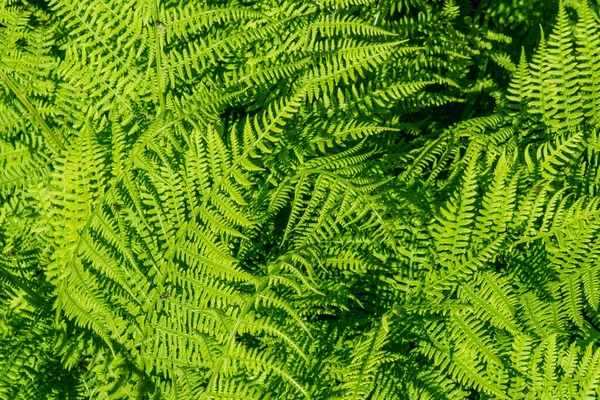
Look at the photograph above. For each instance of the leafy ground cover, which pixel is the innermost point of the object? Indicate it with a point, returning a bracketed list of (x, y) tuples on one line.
[(323, 199)]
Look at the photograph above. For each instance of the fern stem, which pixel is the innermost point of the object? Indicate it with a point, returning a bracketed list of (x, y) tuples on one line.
[(158, 55), (378, 8), (230, 339), (7, 277), (45, 128)]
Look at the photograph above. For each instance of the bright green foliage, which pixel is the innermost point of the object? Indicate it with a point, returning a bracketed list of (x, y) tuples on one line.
[(333, 199)]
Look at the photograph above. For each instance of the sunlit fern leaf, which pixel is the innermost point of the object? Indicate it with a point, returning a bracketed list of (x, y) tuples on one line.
[(368, 355), (462, 366), (453, 231), (557, 372), (556, 156), (588, 42)]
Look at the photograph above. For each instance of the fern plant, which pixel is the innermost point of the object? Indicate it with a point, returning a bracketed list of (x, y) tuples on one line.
[(286, 200)]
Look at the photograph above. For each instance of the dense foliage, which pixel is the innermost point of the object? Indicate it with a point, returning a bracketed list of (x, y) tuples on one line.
[(289, 199)]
